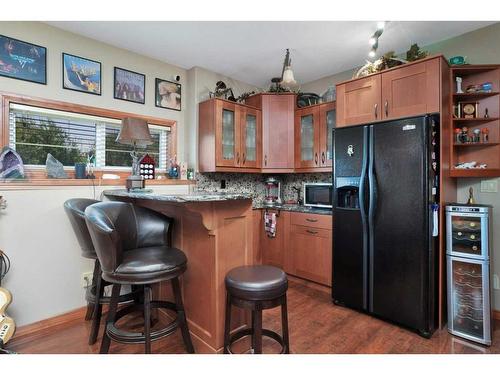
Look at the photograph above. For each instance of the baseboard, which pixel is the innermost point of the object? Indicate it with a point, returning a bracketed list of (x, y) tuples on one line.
[(496, 314), (46, 324)]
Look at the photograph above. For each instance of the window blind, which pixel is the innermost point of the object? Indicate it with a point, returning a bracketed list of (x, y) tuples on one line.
[(68, 136)]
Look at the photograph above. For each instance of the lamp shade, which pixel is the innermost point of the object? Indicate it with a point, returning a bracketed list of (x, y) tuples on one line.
[(134, 131), (288, 79)]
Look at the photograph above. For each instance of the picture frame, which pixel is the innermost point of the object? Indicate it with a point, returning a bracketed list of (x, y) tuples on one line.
[(22, 60), (168, 94), (129, 86), (81, 74)]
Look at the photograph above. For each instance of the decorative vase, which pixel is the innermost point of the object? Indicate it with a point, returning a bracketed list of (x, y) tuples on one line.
[(80, 170)]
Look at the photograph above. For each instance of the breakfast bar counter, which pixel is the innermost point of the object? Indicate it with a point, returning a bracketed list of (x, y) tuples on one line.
[(216, 237)]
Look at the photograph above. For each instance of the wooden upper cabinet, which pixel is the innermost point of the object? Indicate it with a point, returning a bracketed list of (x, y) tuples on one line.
[(407, 90), (359, 101), (227, 134), (327, 119), (230, 137), (411, 90), (278, 131), (307, 138)]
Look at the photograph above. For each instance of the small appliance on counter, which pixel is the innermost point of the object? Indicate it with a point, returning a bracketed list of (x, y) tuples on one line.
[(467, 253), (273, 192), (318, 195)]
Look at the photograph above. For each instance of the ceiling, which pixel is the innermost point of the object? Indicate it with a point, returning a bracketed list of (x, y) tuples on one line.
[(253, 52)]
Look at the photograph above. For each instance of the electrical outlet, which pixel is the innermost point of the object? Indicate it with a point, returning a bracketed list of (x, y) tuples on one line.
[(489, 186), (496, 282), (87, 279), (222, 184)]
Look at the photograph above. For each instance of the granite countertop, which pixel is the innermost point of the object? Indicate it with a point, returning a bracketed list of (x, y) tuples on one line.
[(295, 208), (199, 196)]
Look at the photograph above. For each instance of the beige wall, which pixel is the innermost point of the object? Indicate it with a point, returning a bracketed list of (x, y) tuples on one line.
[(45, 277), (46, 264), (58, 41)]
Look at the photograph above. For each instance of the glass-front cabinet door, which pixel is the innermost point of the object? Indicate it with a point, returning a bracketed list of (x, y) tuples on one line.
[(468, 299), (327, 123), (307, 138), (251, 143), (467, 235), (227, 134)]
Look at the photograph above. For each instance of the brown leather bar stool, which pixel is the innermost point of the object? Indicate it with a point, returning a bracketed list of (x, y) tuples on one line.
[(256, 288), (75, 209), (133, 247)]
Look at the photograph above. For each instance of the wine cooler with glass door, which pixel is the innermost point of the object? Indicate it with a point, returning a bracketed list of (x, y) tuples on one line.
[(468, 263)]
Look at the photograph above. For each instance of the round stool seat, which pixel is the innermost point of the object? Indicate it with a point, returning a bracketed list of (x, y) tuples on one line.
[(256, 283), (148, 265)]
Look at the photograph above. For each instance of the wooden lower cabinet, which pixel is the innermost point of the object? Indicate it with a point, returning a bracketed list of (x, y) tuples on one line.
[(302, 246), (311, 253), (273, 248)]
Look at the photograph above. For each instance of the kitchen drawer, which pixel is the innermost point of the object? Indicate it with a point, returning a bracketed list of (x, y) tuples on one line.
[(311, 220), (310, 252), (311, 231)]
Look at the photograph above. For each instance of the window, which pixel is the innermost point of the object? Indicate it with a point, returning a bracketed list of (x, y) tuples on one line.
[(69, 137)]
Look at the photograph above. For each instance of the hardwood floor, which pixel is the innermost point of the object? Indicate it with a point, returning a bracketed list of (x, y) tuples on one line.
[(315, 324)]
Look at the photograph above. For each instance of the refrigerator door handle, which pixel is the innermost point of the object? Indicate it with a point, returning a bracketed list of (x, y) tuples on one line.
[(371, 215), (362, 209)]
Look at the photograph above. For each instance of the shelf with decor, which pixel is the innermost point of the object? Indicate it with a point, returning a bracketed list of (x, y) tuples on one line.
[(475, 114)]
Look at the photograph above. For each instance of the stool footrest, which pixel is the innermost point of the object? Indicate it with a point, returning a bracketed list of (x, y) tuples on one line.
[(91, 290), (125, 337), (249, 331)]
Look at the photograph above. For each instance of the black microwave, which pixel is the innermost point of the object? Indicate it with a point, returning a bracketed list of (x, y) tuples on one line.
[(318, 195)]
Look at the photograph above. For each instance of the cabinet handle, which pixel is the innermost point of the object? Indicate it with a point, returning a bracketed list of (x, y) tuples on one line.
[(323, 157), (311, 220), (316, 158), (311, 231), (244, 158), (238, 158), (375, 107), (265, 160), (386, 105)]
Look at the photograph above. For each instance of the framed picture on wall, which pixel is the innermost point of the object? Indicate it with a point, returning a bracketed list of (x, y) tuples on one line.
[(81, 74), (167, 94), (129, 86), (23, 60)]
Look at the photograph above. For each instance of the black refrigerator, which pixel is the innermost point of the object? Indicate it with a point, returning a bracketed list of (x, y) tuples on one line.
[(385, 187)]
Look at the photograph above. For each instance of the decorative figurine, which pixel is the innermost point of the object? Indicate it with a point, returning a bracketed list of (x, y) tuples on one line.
[(458, 135), (486, 115), (485, 132), (471, 199), (465, 135), (173, 172), (477, 136), (459, 85)]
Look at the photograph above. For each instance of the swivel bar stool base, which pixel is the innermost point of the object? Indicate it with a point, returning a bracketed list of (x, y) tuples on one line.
[(256, 288)]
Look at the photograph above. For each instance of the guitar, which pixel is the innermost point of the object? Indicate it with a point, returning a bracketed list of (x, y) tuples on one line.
[(7, 325)]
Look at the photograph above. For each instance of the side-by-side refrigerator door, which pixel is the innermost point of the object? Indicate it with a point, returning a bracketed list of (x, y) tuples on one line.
[(400, 250), (350, 228)]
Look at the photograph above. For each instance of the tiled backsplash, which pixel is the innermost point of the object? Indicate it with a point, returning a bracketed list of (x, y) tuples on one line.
[(253, 183)]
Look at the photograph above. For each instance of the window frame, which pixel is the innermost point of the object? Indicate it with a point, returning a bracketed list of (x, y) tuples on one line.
[(7, 99)]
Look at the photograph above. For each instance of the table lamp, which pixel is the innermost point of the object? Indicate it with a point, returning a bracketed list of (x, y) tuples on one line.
[(135, 132)]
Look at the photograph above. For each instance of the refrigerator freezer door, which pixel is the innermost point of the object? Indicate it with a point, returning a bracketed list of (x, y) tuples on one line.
[(399, 215), (350, 241), (469, 313)]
